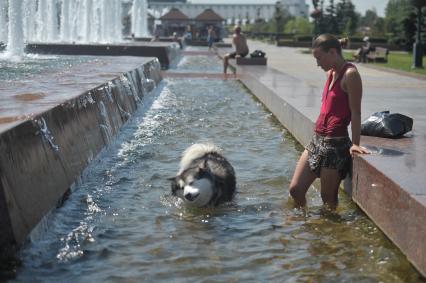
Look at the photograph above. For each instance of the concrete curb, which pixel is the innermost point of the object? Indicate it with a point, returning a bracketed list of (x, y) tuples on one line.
[(166, 52)]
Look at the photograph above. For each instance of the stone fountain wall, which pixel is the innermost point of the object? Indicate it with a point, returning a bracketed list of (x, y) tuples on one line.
[(41, 158), (166, 52)]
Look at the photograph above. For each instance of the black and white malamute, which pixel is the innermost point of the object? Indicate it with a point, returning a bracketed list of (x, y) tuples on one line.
[(205, 177)]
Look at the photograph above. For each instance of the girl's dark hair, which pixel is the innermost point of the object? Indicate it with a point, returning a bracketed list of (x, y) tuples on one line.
[(327, 41)]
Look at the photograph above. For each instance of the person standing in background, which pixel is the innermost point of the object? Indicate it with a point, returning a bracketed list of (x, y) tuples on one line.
[(211, 36)]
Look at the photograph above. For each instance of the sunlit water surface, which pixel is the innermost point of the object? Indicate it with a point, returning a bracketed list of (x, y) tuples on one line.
[(198, 63), (31, 64), (121, 224)]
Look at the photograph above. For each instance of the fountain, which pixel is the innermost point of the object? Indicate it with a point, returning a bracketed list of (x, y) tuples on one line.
[(83, 21), (79, 21), (15, 45), (139, 24), (70, 110), (3, 22), (80, 27), (85, 27)]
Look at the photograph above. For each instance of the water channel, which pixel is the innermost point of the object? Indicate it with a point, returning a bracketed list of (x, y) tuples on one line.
[(121, 224)]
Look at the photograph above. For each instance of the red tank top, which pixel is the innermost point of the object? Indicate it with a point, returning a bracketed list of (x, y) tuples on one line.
[(335, 113)]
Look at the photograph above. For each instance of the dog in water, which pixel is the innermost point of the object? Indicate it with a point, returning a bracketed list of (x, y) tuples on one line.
[(205, 177)]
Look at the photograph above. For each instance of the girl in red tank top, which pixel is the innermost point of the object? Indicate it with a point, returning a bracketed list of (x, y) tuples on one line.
[(328, 155), (335, 113)]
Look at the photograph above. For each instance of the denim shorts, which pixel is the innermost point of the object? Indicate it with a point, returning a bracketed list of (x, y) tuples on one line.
[(332, 153)]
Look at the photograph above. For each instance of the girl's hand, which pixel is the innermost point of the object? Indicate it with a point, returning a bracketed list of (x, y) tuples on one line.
[(358, 149)]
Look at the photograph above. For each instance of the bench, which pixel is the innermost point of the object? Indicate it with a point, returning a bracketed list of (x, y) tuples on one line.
[(260, 61), (380, 54), (377, 54)]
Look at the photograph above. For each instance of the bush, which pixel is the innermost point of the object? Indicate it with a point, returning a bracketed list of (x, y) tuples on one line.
[(303, 38), (372, 39)]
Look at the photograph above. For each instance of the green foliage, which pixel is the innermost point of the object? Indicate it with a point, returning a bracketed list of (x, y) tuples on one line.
[(395, 13), (321, 24), (401, 22), (347, 18), (278, 22), (330, 17), (403, 61), (378, 28), (298, 25), (369, 19), (305, 38), (337, 17), (280, 18), (397, 61)]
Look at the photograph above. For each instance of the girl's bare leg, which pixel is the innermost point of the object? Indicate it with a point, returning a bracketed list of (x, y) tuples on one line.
[(330, 182), (302, 179)]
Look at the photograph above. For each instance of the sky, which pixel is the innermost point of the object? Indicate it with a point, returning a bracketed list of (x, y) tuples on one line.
[(360, 5)]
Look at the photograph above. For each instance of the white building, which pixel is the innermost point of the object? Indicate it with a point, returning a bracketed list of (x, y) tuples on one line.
[(233, 11)]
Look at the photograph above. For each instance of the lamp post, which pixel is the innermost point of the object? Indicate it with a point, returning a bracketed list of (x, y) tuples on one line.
[(278, 17), (417, 46), (316, 14)]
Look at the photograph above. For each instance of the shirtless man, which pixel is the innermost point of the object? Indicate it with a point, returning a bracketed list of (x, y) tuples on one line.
[(241, 48)]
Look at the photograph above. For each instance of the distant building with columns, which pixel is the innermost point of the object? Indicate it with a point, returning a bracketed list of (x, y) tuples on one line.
[(230, 11), (166, 1)]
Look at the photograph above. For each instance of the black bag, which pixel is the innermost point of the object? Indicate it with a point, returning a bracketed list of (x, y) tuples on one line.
[(386, 125), (257, 54)]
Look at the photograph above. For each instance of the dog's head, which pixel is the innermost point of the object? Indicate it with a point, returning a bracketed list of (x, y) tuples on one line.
[(195, 185)]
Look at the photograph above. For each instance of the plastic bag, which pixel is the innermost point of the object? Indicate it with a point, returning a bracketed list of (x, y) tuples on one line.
[(257, 54), (386, 125)]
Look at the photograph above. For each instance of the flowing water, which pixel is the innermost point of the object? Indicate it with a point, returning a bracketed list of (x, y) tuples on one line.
[(121, 224)]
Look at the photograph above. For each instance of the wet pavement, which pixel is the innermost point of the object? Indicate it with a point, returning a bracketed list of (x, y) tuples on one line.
[(388, 184)]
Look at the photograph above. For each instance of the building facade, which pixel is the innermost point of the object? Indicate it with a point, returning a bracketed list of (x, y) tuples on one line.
[(166, 1), (229, 12)]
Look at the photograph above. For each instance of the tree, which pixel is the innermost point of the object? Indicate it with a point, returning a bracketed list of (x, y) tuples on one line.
[(379, 27), (331, 25), (298, 25), (346, 17), (399, 22), (409, 29), (322, 20), (259, 23), (369, 19), (372, 20)]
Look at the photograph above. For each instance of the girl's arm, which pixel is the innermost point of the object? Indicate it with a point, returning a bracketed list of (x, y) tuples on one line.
[(354, 90)]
